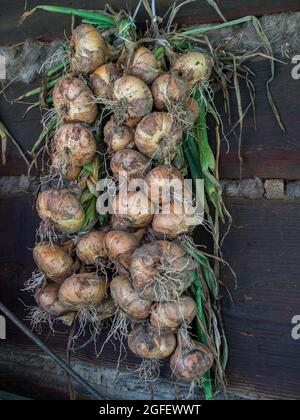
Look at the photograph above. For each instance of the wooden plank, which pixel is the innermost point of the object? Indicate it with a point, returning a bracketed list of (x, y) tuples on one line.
[(49, 26)]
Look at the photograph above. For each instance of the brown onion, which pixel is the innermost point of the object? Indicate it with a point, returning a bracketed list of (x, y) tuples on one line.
[(84, 289), (173, 314), (169, 89), (104, 310), (161, 271), (61, 208), (90, 247), (131, 210), (47, 299), (75, 144), (194, 66), (144, 65), (121, 245), (134, 99), (53, 261), (158, 137), (191, 360), (89, 49), (102, 80), (64, 168), (128, 300), (116, 136), (177, 221), (149, 343), (129, 164), (192, 110), (73, 101), (163, 181)]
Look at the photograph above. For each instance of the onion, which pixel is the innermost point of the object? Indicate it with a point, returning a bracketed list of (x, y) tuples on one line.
[(173, 314), (128, 300), (129, 164), (116, 136), (90, 247), (104, 310), (194, 66), (47, 299), (63, 168), (121, 245), (191, 360), (144, 65), (61, 208), (53, 261), (134, 99), (89, 49), (102, 80), (161, 271), (131, 210), (192, 110), (175, 222), (163, 181), (81, 290), (73, 101), (149, 343), (158, 137), (168, 89), (75, 145)]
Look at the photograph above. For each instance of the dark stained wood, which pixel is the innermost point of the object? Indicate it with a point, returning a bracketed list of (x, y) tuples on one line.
[(48, 26)]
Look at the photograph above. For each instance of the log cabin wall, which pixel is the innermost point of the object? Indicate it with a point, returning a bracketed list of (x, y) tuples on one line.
[(262, 247)]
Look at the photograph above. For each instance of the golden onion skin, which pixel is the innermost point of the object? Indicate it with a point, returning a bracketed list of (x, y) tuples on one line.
[(132, 210), (102, 80), (164, 176), (144, 65), (47, 299), (75, 143), (149, 343), (64, 168), (136, 97), (173, 314), (169, 89), (53, 261), (195, 67), (82, 289), (129, 164), (73, 101), (90, 247), (61, 208), (117, 137), (104, 310), (128, 300), (192, 110), (89, 49), (153, 259), (158, 137), (172, 224), (190, 360)]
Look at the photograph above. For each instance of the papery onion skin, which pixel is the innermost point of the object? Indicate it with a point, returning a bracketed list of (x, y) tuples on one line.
[(190, 361), (158, 137), (129, 164), (104, 310), (173, 314), (75, 143), (102, 80), (144, 65), (117, 137), (164, 176), (84, 289), (128, 300), (90, 247), (169, 89), (192, 110), (53, 261), (73, 101), (47, 299), (149, 343), (121, 245), (89, 49), (154, 259), (194, 66), (64, 168), (61, 208), (131, 210), (135, 96), (175, 222)]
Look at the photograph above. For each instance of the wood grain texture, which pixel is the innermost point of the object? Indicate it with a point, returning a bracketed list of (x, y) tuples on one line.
[(48, 26)]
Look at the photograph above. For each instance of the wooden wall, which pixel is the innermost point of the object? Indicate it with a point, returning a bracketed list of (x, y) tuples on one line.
[(263, 245)]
